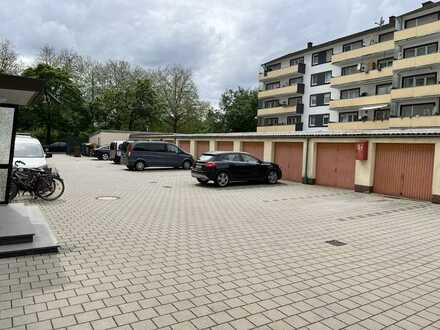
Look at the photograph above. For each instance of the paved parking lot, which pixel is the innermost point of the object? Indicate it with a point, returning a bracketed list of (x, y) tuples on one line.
[(172, 254)]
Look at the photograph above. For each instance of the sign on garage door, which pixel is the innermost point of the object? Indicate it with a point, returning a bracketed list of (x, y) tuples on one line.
[(289, 156), (335, 164), (254, 148), (404, 170)]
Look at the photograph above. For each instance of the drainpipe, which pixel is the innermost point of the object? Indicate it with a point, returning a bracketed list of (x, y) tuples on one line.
[(306, 178)]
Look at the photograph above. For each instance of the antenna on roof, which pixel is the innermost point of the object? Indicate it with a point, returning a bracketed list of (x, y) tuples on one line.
[(381, 22)]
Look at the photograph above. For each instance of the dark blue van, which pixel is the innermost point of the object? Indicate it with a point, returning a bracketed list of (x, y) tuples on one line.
[(141, 154)]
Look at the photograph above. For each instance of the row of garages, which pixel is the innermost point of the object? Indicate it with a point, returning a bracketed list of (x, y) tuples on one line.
[(397, 167)]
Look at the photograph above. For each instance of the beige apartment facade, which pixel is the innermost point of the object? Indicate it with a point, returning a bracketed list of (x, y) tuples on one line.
[(382, 78)]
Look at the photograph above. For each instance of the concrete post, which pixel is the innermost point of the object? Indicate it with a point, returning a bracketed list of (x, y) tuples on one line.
[(192, 148), (237, 145), (268, 151), (311, 163), (364, 171), (212, 145), (436, 175)]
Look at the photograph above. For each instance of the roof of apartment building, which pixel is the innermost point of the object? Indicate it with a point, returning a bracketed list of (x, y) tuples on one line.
[(311, 47)]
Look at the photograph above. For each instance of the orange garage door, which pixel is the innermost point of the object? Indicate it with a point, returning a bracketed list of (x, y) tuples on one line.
[(335, 164), (254, 148), (201, 147), (404, 170), (225, 145), (289, 156), (184, 145)]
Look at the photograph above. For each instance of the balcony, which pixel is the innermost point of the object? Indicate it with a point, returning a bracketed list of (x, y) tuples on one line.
[(381, 47), (360, 101), (284, 72), (413, 92), (418, 31), (296, 89), (371, 76), (279, 128), (299, 108), (416, 62), (359, 125)]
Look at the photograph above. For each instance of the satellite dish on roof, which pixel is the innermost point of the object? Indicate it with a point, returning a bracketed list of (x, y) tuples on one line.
[(381, 22)]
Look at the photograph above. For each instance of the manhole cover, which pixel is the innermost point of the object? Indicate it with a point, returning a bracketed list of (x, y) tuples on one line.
[(107, 198), (336, 243)]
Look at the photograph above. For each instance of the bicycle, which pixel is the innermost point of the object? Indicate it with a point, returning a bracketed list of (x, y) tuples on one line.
[(43, 183)]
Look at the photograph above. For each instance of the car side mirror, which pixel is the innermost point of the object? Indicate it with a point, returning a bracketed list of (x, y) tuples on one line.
[(48, 155)]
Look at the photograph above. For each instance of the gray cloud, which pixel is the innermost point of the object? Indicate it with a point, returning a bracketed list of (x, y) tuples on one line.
[(224, 42)]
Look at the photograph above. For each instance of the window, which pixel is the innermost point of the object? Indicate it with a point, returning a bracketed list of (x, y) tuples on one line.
[(352, 46), (296, 61), (154, 147), (272, 67), (318, 120), (273, 85), (419, 80), (292, 120), (322, 57), (321, 78), (229, 157), (294, 81), (270, 121), (385, 63), (425, 19), (350, 93), (386, 36), (317, 100), (172, 148), (248, 158), (420, 50), (349, 70), (347, 117), (271, 103), (383, 89), (295, 100), (382, 114), (411, 110)]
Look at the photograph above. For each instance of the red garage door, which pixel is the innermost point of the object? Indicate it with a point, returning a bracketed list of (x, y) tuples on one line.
[(254, 148), (289, 156), (225, 145), (185, 145), (335, 164), (404, 170), (201, 147)]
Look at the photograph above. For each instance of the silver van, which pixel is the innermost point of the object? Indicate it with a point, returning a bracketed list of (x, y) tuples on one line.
[(115, 151), (29, 153)]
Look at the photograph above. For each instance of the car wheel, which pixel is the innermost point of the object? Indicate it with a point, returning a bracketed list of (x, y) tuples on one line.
[(105, 157), (202, 181), (139, 166), (222, 179), (186, 164), (272, 177)]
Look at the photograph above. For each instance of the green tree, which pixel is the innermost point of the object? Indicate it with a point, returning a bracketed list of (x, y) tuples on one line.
[(60, 111), (240, 110)]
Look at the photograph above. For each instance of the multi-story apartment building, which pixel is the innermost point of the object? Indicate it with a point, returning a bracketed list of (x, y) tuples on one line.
[(384, 77)]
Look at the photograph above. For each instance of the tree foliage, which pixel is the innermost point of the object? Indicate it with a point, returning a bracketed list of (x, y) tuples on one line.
[(239, 109), (8, 58)]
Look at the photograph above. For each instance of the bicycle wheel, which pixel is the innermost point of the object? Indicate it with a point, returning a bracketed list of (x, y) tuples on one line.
[(13, 191), (50, 189)]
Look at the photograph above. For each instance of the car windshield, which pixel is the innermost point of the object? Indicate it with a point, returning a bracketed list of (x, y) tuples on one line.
[(28, 150), (206, 158)]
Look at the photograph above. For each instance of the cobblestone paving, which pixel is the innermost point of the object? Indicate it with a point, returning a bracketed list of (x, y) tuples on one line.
[(173, 254)]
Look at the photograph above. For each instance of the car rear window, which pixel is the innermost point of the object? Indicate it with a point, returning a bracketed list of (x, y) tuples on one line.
[(229, 157), (206, 158)]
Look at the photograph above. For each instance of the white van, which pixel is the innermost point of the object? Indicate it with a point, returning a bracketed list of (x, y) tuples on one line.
[(29, 151)]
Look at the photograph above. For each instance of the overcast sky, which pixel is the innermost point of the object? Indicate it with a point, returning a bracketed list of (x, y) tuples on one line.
[(223, 41)]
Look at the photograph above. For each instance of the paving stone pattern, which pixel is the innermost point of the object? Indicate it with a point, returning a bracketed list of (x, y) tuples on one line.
[(173, 254)]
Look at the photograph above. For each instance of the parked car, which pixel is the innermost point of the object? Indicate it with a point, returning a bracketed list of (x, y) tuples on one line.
[(61, 147), (29, 153), (142, 154), (115, 151), (102, 153), (224, 167)]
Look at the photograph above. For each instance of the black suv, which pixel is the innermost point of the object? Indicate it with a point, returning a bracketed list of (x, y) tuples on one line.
[(223, 167)]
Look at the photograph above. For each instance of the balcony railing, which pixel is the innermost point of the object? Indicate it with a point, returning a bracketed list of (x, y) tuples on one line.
[(416, 62), (418, 31), (413, 92), (381, 47), (360, 101), (370, 76), (280, 128), (359, 125), (396, 122), (285, 90), (283, 72), (299, 109)]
